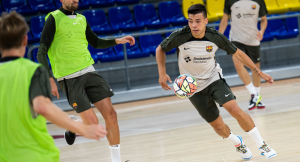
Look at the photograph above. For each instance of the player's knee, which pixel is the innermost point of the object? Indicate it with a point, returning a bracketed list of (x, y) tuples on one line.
[(112, 114), (235, 111), (219, 128)]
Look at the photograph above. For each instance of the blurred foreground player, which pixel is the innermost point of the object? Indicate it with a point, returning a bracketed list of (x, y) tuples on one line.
[(25, 101), (197, 45), (65, 38), (245, 36)]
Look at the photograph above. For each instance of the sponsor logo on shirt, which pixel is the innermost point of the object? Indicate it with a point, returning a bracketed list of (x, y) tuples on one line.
[(201, 59), (209, 48), (187, 58), (253, 7), (238, 15), (74, 105)]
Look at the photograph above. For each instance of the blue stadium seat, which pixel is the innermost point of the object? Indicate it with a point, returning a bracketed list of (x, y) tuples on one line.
[(132, 51), (57, 3), (1, 9), (150, 42), (26, 53), (145, 14), (106, 55), (171, 12), (36, 25), (126, 2), (292, 23), (98, 22), (120, 17), (279, 29), (32, 39), (101, 3), (84, 4), (44, 6), (20, 6), (267, 35)]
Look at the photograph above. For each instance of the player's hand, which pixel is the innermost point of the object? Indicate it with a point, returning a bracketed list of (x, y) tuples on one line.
[(127, 39), (54, 90), (163, 81), (259, 36), (266, 77), (94, 132)]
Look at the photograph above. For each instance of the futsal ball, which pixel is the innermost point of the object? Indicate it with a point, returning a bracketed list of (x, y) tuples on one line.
[(184, 86)]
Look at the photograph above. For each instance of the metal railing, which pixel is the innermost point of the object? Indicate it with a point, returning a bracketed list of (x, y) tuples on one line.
[(127, 67)]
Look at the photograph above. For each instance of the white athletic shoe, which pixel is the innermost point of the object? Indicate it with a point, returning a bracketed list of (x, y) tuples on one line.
[(267, 151), (244, 151)]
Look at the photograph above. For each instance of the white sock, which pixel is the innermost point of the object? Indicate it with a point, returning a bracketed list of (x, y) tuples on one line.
[(234, 140), (115, 153), (257, 89), (254, 134), (251, 89)]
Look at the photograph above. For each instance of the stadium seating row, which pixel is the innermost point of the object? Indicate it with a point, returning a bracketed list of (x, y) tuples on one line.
[(144, 14), (32, 7), (146, 45)]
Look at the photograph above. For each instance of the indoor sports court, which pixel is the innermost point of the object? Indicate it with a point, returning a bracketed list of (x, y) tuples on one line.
[(156, 125), (169, 129)]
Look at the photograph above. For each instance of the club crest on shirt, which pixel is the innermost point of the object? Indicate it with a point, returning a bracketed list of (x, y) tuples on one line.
[(74, 105), (209, 48), (253, 7)]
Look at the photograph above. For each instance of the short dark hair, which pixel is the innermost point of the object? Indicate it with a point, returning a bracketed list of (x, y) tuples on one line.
[(198, 8), (13, 28)]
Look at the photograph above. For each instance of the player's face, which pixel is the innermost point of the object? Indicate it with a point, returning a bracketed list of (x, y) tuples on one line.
[(197, 23), (71, 5)]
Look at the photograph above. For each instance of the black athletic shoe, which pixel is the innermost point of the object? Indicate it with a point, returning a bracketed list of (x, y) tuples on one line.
[(69, 136)]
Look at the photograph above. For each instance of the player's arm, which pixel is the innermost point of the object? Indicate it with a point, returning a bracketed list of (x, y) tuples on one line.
[(241, 56), (225, 18), (263, 27), (100, 43), (223, 23), (52, 113), (46, 40), (264, 22), (40, 95), (161, 63)]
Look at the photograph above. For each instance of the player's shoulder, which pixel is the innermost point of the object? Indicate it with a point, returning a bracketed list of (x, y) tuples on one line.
[(181, 31), (212, 31), (214, 35)]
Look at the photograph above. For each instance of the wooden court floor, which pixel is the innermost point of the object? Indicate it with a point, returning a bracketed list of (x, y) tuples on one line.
[(169, 129)]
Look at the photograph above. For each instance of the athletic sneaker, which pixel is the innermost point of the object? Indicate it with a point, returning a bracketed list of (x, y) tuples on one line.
[(267, 151), (244, 151), (69, 136), (255, 99), (261, 105)]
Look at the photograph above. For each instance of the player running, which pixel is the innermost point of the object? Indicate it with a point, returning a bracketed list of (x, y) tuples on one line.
[(198, 41)]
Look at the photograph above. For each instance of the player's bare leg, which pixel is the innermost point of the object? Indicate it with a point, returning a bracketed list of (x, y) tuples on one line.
[(244, 120), (242, 71), (113, 135), (245, 77), (110, 116), (256, 78), (256, 82), (247, 124), (223, 130)]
